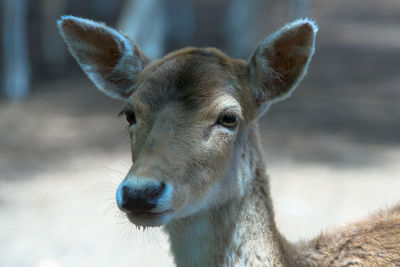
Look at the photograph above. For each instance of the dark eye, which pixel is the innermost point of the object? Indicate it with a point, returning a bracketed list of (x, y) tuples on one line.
[(130, 117), (228, 120)]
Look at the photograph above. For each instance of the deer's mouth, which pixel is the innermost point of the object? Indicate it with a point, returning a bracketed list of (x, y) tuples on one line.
[(149, 218)]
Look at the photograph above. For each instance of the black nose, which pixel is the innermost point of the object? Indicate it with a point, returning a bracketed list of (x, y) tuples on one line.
[(141, 200)]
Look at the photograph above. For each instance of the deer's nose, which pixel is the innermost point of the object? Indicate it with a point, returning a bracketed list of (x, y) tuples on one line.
[(139, 197)]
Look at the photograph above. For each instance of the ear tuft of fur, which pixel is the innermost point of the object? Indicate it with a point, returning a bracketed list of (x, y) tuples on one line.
[(307, 23), (281, 60), (107, 56)]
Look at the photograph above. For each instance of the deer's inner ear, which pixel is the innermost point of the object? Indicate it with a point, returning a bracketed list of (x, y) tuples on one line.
[(108, 57), (280, 61)]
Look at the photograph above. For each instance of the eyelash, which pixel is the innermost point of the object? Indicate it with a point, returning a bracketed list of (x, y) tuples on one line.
[(228, 120)]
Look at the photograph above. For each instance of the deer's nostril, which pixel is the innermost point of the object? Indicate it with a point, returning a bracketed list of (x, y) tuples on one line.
[(155, 191), (126, 191), (141, 199)]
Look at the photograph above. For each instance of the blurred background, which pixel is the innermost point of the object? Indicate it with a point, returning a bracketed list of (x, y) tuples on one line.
[(333, 148)]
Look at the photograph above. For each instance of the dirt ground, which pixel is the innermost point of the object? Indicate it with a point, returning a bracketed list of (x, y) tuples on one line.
[(333, 152)]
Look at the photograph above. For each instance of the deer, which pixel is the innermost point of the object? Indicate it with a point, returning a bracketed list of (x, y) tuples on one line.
[(198, 168)]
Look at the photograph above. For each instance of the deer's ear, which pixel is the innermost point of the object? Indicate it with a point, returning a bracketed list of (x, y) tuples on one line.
[(108, 57), (280, 61)]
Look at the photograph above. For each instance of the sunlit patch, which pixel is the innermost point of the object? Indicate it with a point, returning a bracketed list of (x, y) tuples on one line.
[(225, 102)]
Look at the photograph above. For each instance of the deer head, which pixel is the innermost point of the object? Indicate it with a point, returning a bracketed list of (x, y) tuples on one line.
[(188, 113)]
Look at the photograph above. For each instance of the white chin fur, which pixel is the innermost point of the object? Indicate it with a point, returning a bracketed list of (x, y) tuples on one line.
[(150, 222)]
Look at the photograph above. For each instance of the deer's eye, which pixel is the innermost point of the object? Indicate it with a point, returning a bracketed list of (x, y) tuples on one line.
[(228, 120), (130, 117)]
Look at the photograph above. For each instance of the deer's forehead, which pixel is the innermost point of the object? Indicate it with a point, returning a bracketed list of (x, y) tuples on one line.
[(194, 81)]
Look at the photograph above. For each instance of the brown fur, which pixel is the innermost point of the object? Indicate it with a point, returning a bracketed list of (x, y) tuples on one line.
[(370, 242), (219, 211)]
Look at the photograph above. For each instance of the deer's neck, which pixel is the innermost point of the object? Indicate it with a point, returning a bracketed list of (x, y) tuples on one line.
[(240, 232)]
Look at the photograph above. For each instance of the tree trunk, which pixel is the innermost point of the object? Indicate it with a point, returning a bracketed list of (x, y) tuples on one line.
[(15, 49)]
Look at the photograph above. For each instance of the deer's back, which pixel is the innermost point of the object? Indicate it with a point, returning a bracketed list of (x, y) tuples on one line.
[(374, 241)]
